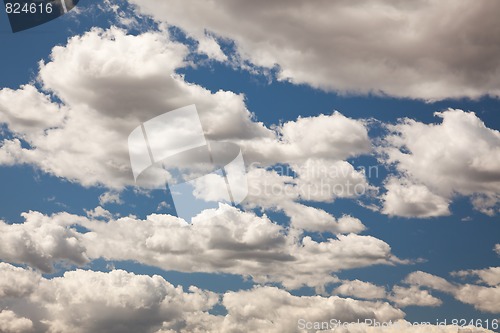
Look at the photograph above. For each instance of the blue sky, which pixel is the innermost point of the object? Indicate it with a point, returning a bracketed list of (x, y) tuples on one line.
[(447, 234)]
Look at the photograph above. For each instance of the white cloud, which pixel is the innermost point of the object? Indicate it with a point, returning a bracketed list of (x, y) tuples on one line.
[(416, 50), (497, 248), (109, 82), (110, 197), (117, 301), (40, 242), (99, 212), (11, 323), (86, 301), (486, 299), (269, 189), (423, 279), (413, 295), (460, 156), (233, 242), (217, 241), (489, 276), (360, 289), (211, 48), (16, 282), (411, 200), (332, 137), (483, 298), (272, 310)]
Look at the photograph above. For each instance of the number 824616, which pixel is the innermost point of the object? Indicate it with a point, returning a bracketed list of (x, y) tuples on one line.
[(29, 8)]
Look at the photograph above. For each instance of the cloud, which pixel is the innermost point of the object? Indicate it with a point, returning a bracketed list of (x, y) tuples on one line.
[(39, 242), (416, 50), (411, 200), (108, 82), (16, 282), (413, 295), (483, 298), (489, 276), (423, 279), (497, 248), (272, 310), (225, 240), (86, 301), (459, 156), (486, 299), (211, 48), (273, 190), (228, 240), (360, 289), (11, 323), (110, 197), (83, 301), (101, 85)]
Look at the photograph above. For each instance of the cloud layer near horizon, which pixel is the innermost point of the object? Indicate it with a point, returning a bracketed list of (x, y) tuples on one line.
[(117, 301)]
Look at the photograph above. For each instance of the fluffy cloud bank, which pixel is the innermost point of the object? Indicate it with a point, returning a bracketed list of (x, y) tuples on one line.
[(459, 156), (415, 50), (87, 301), (224, 240), (117, 301)]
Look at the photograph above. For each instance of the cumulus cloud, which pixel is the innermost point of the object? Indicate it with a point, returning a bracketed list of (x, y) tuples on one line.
[(87, 301), (108, 82), (423, 279), (483, 298), (231, 241), (411, 200), (83, 301), (459, 156), (117, 301), (11, 323), (360, 289), (416, 50), (17, 282), (110, 197), (225, 240), (413, 295), (101, 85), (40, 242), (330, 137), (489, 276), (272, 310), (269, 189), (486, 299)]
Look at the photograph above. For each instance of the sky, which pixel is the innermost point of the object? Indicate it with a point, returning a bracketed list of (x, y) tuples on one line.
[(368, 189)]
